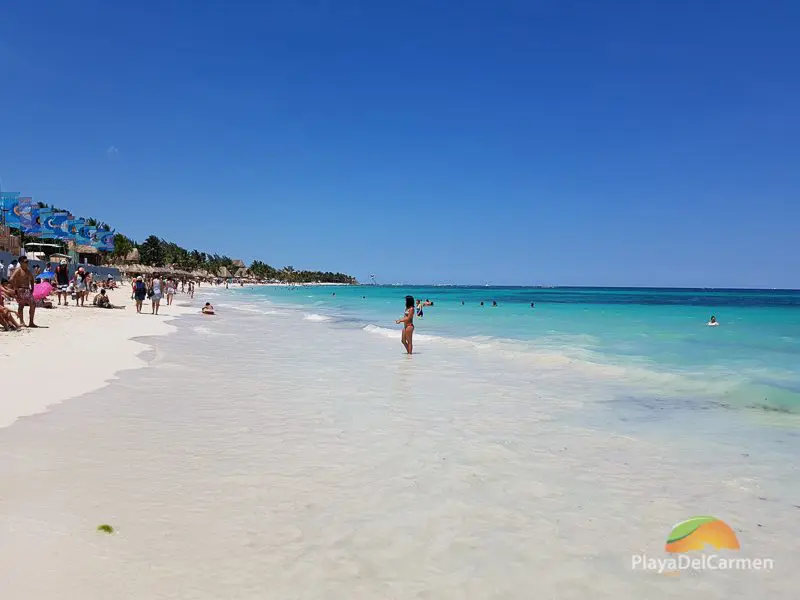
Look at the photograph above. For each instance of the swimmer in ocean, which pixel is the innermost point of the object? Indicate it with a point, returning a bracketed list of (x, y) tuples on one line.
[(712, 322), (494, 303), (419, 308), (406, 337)]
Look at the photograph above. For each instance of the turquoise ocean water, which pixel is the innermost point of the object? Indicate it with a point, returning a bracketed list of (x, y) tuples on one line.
[(658, 336)]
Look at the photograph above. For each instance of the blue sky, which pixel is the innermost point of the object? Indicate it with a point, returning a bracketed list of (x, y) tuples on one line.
[(511, 142)]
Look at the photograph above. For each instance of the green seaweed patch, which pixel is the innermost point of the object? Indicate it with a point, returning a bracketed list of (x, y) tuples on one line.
[(105, 529)]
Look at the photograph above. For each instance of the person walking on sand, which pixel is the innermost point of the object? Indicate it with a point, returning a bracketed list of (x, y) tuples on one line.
[(21, 283), (80, 287), (170, 291), (139, 292), (155, 299), (62, 282), (407, 336)]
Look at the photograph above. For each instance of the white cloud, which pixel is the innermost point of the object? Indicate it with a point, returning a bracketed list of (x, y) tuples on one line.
[(112, 150)]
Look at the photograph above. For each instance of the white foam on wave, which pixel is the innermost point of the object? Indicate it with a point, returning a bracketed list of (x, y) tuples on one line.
[(555, 353), (206, 331), (394, 333), (315, 317), (252, 308)]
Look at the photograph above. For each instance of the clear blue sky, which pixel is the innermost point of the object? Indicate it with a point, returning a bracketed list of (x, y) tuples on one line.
[(511, 142)]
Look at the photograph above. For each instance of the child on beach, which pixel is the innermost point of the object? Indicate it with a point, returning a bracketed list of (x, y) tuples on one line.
[(406, 337), (208, 309)]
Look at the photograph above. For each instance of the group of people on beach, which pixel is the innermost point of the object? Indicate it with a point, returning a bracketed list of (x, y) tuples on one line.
[(32, 288), (156, 290)]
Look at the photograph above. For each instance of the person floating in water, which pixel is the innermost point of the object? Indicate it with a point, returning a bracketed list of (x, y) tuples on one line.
[(407, 336), (207, 309), (712, 322), (533, 305), (494, 303), (481, 302)]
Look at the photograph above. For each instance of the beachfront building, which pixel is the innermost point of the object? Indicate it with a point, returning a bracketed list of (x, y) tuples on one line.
[(86, 255), (9, 243)]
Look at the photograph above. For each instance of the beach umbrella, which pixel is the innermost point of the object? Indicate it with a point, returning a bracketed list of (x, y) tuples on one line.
[(47, 275), (42, 291)]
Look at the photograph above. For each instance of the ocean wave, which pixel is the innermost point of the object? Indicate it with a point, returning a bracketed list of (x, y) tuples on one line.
[(394, 333), (206, 331), (557, 355), (252, 308), (316, 317)]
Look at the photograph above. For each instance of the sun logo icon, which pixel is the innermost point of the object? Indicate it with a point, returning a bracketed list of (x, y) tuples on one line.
[(697, 532)]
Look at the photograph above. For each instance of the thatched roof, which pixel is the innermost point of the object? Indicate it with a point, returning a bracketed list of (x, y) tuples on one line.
[(223, 272), (132, 256), (242, 273), (239, 264), (141, 269), (84, 249)]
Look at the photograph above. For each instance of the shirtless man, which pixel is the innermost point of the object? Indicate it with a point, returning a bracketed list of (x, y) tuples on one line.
[(21, 283)]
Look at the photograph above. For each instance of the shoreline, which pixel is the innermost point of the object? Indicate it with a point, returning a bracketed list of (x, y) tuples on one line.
[(77, 350), (408, 474)]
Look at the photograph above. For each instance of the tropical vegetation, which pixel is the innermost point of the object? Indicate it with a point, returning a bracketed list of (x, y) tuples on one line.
[(158, 252)]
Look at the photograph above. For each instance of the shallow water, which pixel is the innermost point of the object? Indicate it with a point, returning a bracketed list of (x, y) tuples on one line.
[(269, 456), (751, 360)]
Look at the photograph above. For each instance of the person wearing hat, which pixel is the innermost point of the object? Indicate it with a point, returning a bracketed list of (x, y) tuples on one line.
[(62, 281), (139, 292)]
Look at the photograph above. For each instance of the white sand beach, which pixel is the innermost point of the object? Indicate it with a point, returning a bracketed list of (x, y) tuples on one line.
[(75, 350), (264, 456)]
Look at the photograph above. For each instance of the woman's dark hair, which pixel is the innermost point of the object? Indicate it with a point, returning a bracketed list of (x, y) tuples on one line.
[(409, 301)]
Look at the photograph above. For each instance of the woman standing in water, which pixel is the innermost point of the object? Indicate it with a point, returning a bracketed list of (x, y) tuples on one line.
[(408, 325)]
